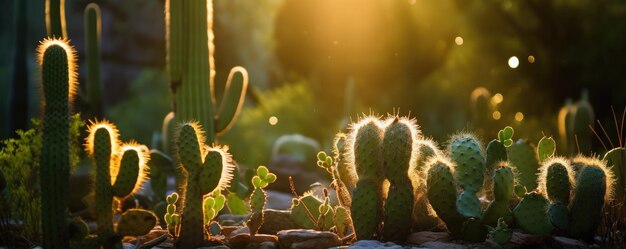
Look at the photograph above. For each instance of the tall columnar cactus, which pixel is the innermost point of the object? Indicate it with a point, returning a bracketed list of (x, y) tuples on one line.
[(120, 171), (55, 19), (467, 153), (523, 156), (556, 181), (397, 155), (192, 71), (594, 188), (260, 181), (58, 79), (365, 150), (92, 44), (205, 169), (503, 182)]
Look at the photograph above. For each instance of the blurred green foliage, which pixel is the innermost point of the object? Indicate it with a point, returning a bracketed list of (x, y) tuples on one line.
[(19, 162)]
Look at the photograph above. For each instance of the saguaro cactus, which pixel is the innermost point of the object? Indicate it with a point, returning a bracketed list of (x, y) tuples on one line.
[(58, 79), (206, 169), (365, 148), (92, 44), (192, 71), (120, 171), (397, 154)]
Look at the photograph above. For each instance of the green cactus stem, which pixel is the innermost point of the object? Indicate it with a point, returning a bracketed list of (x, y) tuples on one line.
[(93, 55), (523, 156), (616, 159), (556, 181), (467, 153), (442, 194), (546, 148), (55, 19), (366, 152), (503, 182), (192, 70), (58, 80), (258, 198), (120, 171), (205, 169), (582, 118), (531, 214)]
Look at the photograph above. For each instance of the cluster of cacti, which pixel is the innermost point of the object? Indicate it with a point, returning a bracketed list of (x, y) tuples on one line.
[(573, 123), (591, 185), (190, 49), (58, 79), (205, 170), (382, 150), (260, 181), (120, 171)]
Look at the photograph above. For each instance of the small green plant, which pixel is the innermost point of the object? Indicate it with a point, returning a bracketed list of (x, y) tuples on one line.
[(172, 219), (260, 181), (501, 234), (505, 136), (331, 166), (212, 205)]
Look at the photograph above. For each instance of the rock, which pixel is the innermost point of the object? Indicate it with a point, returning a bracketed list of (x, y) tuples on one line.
[(277, 220), (571, 243), (445, 245), (233, 219), (423, 237), (241, 230), (278, 200), (228, 223), (228, 230), (374, 244), (267, 245), (214, 247), (310, 239), (244, 240)]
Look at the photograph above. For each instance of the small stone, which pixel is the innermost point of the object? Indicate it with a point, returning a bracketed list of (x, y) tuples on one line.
[(241, 230), (571, 243), (277, 220), (374, 244), (307, 239), (443, 245), (423, 237), (228, 230), (244, 240), (267, 245)]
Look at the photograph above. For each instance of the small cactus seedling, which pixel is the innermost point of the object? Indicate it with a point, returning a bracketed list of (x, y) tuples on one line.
[(505, 136), (365, 151), (546, 148), (501, 234), (398, 144), (57, 63), (206, 169), (212, 205), (120, 172), (260, 181), (172, 219)]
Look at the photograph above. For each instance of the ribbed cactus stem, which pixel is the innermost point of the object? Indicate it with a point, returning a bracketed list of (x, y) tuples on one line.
[(102, 148), (57, 72), (593, 189), (397, 154), (93, 55), (55, 19)]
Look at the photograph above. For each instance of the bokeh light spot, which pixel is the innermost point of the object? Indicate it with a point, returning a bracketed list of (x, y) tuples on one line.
[(273, 120), (519, 116), (497, 99), (531, 59), (496, 115), (513, 62), (458, 40)]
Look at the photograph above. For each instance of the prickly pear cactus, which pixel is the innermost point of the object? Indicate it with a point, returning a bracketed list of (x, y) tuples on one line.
[(441, 191), (424, 216), (342, 220), (531, 214), (206, 169), (582, 118), (501, 234), (556, 181), (212, 205), (304, 211), (136, 222), (523, 156), (397, 155), (172, 219), (58, 81), (546, 148), (466, 152), (366, 154), (503, 182), (260, 181), (593, 189), (616, 160)]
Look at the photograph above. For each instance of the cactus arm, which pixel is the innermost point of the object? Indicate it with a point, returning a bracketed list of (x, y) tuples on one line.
[(232, 102), (102, 148), (55, 18), (93, 54)]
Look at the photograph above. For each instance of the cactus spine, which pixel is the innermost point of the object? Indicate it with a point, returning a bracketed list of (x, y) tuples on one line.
[(397, 154), (205, 169), (58, 79), (366, 152), (55, 19), (192, 70), (93, 54), (120, 171)]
